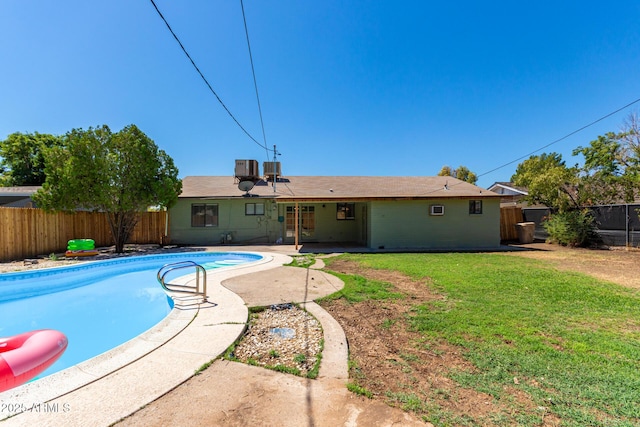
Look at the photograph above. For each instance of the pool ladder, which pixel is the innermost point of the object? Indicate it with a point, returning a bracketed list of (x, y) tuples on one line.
[(184, 288)]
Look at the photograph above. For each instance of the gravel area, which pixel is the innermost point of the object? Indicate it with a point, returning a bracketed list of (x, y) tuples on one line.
[(58, 260), (281, 336), (33, 264)]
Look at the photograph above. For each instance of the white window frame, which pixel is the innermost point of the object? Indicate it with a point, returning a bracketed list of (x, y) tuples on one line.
[(254, 209), (436, 210)]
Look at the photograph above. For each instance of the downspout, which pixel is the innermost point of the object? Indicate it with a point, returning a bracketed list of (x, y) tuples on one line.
[(166, 226), (296, 225)]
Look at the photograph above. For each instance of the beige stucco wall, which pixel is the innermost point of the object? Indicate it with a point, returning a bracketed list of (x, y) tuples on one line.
[(407, 224)]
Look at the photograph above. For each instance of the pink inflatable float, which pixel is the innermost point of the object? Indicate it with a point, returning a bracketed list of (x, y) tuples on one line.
[(26, 355)]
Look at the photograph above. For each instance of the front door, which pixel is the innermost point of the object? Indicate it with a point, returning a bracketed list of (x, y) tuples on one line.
[(306, 222)]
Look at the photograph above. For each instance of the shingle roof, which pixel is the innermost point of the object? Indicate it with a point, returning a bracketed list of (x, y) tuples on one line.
[(17, 196), (335, 187), (26, 190), (511, 186)]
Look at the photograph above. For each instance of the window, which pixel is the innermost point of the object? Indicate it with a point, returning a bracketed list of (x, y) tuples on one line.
[(475, 207), (254, 209), (345, 211), (204, 215), (437, 210)]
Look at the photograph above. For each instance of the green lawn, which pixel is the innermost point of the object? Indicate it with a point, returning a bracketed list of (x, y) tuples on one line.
[(571, 340)]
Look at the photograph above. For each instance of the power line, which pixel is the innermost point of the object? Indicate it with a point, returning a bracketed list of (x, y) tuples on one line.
[(204, 78), (553, 142), (563, 138), (255, 82)]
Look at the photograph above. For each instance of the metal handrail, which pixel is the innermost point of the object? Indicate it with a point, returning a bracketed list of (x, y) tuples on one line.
[(185, 289)]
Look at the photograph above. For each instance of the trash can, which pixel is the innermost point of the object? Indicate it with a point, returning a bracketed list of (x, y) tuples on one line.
[(525, 231)]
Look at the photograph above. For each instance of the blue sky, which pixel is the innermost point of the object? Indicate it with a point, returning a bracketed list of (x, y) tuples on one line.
[(346, 87)]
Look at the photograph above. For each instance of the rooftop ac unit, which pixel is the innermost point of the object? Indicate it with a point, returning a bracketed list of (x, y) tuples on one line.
[(247, 169), (271, 169)]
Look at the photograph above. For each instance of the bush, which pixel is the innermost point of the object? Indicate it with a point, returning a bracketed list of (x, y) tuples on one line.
[(573, 228)]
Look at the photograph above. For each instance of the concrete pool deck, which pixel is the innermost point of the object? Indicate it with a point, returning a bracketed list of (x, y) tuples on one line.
[(106, 389)]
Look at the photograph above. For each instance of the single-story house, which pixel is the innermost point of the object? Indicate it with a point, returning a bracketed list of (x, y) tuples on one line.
[(510, 192), (17, 197), (391, 213)]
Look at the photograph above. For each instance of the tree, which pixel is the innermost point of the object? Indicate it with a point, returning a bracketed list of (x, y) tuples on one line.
[(21, 158), (611, 171), (462, 173), (446, 171), (549, 181), (120, 173)]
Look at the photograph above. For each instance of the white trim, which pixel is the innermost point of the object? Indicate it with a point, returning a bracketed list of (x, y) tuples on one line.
[(436, 210)]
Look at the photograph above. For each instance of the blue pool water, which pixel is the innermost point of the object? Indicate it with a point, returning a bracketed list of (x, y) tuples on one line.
[(97, 305)]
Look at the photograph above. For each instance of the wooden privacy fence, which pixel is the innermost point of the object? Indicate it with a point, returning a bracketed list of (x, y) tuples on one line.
[(29, 232), (509, 217)]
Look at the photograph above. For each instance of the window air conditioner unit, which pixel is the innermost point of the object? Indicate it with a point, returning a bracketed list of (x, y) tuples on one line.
[(436, 210)]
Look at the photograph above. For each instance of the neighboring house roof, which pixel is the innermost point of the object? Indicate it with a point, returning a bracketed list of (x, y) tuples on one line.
[(335, 188), (17, 196), (508, 188)]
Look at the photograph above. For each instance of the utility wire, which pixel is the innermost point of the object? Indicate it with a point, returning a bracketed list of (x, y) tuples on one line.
[(551, 143), (563, 138), (204, 78), (260, 109), (255, 82)]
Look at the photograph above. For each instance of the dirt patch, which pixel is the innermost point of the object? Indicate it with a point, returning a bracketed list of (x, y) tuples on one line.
[(617, 265)]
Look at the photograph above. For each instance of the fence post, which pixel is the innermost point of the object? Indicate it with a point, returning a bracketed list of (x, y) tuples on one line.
[(626, 224)]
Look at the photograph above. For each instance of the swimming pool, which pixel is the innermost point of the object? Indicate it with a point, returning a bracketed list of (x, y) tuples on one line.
[(98, 305)]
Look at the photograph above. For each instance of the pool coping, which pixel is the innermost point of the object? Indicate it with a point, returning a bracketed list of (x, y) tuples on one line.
[(144, 368)]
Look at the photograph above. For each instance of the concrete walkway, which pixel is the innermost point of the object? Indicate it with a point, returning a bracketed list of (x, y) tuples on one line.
[(104, 390)]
